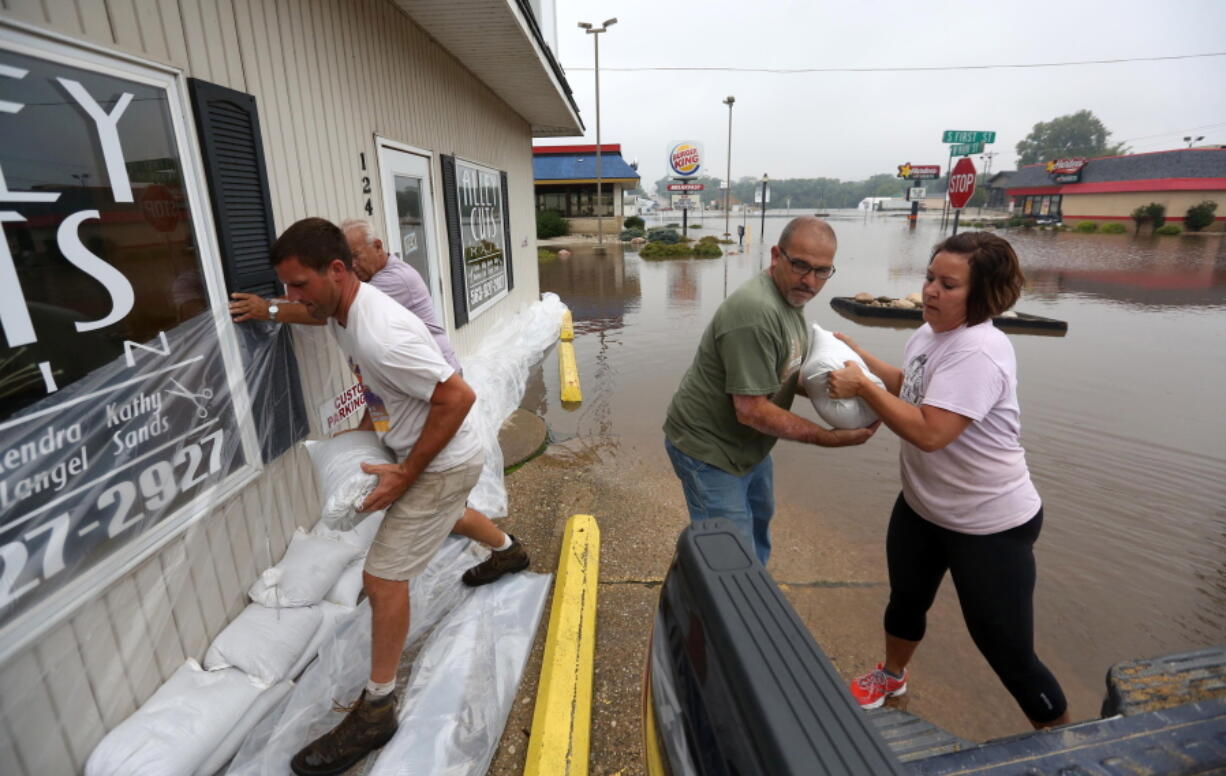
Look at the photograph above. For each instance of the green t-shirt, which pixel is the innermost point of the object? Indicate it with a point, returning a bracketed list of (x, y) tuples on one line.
[(754, 346)]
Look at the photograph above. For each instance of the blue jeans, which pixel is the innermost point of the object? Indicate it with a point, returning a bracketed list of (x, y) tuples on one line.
[(747, 500)]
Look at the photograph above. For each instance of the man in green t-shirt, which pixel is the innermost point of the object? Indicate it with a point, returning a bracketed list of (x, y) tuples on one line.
[(735, 400)]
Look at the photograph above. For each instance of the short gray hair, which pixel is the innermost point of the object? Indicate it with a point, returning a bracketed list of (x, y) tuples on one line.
[(362, 225)]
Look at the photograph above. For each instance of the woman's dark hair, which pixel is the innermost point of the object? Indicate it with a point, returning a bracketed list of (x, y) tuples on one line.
[(996, 274), (315, 242)]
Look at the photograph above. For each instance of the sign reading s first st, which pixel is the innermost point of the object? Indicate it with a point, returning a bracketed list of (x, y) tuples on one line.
[(968, 136)]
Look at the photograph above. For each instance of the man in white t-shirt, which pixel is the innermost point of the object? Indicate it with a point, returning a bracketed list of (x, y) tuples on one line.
[(425, 420)]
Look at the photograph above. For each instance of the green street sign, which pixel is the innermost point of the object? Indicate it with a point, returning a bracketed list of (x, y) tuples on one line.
[(965, 149), (967, 136)]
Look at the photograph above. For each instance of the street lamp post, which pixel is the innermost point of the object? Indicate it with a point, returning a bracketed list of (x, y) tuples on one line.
[(728, 181), (595, 33), (765, 185), (1190, 140)]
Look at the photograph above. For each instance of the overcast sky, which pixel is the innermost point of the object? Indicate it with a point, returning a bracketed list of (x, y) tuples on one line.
[(853, 125)]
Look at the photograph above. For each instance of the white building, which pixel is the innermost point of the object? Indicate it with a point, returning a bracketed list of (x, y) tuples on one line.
[(151, 152)]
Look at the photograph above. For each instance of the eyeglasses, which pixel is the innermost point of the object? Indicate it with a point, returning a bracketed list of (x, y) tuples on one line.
[(803, 268)]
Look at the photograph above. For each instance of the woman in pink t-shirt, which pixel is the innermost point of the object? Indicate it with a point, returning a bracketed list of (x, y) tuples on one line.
[(967, 504)]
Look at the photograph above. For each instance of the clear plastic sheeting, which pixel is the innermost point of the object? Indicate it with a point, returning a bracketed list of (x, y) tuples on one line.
[(498, 372), (471, 646)]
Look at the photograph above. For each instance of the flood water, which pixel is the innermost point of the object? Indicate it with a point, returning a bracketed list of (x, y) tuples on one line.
[(1122, 419)]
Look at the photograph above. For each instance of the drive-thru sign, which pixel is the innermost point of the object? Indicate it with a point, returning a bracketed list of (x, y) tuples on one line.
[(961, 183)]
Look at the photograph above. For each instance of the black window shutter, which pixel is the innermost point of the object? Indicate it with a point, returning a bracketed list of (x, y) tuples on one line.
[(229, 128), (455, 242), (506, 228)]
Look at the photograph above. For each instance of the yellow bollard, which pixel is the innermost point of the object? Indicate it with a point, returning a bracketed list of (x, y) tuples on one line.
[(568, 373), (562, 719), (568, 327)]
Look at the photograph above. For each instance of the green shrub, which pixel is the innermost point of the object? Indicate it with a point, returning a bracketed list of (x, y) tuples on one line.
[(634, 222), (1023, 221), (544, 255), (630, 234), (1200, 216), (700, 249), (663, 234), (695, 226), (1153, 214), (672, 226), (1113, 228), (1168, 230), (1087, 226), (660, 250), (550, 223)]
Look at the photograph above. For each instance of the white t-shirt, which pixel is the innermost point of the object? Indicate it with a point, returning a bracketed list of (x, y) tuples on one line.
[(395, 357), (979, 483)]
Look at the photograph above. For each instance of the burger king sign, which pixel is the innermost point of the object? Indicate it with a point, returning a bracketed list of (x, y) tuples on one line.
[(685, 159)]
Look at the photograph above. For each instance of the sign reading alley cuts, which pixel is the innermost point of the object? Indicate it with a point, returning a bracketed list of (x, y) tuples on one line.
[(115, 408), (483, 236)]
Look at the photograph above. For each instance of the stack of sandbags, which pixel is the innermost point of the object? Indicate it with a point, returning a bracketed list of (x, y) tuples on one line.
[(197, 720)]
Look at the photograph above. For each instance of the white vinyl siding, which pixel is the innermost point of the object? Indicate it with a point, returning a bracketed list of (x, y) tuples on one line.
[(328, 76)]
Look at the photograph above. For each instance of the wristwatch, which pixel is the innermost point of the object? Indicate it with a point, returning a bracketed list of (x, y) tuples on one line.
[(272, 312)]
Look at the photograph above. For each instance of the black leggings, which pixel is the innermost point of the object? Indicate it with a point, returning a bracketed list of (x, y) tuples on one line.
[(994, 576)]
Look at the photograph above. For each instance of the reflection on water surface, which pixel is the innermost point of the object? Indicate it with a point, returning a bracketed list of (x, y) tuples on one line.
[(1122, 419)]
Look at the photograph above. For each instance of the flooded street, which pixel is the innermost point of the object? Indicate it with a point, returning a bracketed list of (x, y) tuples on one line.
[(1122, 423)]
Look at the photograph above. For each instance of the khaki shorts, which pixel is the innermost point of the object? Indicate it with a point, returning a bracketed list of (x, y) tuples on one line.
[(418, 522)]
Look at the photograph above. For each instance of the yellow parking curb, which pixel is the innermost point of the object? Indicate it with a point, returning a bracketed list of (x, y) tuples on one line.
[(568, 327), (562, 720), (568, 373)]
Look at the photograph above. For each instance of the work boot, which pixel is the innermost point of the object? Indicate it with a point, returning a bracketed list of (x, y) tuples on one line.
[(508, 561), (369, 725)]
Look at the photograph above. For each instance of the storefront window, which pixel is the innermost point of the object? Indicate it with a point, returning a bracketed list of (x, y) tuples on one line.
[(116, 411)]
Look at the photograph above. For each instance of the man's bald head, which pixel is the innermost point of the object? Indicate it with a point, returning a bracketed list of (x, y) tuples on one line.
[(810, 226), (806, 246)]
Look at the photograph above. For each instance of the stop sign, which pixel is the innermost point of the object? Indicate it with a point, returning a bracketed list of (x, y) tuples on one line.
[(961, 183), (159, 208)]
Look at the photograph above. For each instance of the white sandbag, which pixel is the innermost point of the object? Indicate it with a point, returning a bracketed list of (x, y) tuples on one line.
[(827, 353), (229, 745), (361, 535), (330, 616), (347, 589), (265, 643), (309, 569), (343, 486), (176, 730)]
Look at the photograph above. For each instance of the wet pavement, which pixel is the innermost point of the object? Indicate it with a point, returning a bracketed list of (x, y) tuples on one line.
[(1122, 425)]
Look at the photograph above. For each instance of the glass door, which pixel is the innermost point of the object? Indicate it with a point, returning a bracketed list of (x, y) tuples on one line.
[(407, 204)]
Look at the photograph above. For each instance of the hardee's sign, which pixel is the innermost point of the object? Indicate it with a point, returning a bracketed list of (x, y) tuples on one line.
[(685, 159), (1066, 170)]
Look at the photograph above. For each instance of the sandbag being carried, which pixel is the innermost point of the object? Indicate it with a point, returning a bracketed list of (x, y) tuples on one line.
[(343, 486), (827, 353)]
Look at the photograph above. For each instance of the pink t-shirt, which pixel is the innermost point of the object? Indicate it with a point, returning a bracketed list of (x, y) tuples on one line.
[(979, 483)]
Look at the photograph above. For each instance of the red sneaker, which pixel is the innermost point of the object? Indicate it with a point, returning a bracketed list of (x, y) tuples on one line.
[(871, 689)]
